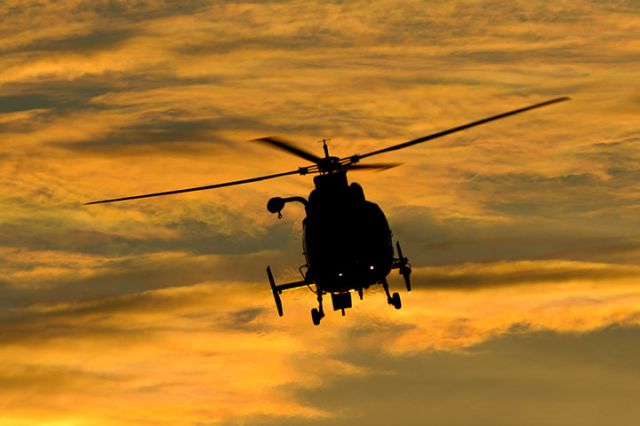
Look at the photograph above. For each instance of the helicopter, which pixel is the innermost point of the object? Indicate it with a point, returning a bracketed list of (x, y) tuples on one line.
[(347, 242)]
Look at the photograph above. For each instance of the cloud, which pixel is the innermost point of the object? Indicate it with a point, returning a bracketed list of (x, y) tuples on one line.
[(23, 103), (428, 237), (231, 344), (521, 233), (85, 336), (477, 276), (92, 41), (539, 378), (48, 277), (162, 134)]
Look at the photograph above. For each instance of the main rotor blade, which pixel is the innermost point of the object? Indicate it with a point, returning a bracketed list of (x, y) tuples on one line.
[(290, 148), (463, 127), (301, 171), (374, 166)]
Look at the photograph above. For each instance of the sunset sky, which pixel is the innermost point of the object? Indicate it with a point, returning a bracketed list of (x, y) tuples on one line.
[(524, 234)]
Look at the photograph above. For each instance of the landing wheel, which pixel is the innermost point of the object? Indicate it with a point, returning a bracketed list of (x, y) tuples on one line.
[(316, 316), (395, 301)]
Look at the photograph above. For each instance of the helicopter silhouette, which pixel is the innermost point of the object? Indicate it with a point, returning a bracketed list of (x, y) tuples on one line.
[(347, 241)]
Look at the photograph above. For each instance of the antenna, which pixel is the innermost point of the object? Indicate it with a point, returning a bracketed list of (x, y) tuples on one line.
[(325, 147)]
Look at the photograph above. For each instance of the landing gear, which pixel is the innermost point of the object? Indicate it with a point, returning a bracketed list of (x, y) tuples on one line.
[(317, 314), (275, 291), (392, 300), (341, 299), (395, 301), (404, 267)]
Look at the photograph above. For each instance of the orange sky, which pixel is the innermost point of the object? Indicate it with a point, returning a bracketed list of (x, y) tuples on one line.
[(524, 233)]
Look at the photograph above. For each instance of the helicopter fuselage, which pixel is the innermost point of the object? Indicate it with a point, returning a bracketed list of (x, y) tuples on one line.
[(347, 243), (346, 239)]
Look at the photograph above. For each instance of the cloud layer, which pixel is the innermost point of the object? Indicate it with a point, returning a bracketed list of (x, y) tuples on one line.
[(523, 233)]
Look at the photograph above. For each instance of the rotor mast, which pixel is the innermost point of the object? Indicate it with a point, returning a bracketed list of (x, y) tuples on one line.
[(325, 147)]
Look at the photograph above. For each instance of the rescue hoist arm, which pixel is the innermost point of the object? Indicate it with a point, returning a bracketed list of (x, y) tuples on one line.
[(276, 204)]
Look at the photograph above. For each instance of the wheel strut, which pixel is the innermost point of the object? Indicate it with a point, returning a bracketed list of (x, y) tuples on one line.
[(317, 314), (394, 299), (405, 267)]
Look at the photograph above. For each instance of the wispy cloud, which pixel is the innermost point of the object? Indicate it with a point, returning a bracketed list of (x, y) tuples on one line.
[(158, 310)]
